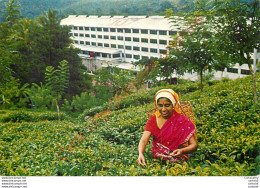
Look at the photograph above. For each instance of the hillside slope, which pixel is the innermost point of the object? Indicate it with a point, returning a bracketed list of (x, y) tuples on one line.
[(31, 8), (106, 144)]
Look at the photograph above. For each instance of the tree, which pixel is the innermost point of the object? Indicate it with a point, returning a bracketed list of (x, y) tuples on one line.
[(57, 80), (44, 42), (12, 12), (237, 27), (150, 71), (194, 47), (8, 54)]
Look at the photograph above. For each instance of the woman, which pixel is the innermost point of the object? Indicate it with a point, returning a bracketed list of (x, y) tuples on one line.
[(170, 130)]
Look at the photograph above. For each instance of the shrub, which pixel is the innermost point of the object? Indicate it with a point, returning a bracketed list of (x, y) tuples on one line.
[(106, 144)]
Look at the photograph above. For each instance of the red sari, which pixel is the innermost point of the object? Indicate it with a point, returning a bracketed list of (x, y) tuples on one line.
[(177, 130)]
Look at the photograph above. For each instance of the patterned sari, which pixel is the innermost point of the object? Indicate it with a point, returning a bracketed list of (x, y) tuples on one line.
[(177, 130)]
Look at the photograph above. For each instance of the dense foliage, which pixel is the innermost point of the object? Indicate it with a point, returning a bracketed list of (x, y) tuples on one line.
[(106, 144), (31, 9)]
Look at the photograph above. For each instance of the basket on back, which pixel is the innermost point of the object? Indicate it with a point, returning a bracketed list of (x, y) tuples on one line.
[(186, 109)]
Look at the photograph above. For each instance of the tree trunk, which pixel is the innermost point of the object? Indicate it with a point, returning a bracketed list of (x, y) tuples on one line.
[(58, 108), (201, 87), (254, 82)]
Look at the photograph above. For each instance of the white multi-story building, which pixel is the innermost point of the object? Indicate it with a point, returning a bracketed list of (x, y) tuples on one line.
[(120, 40)]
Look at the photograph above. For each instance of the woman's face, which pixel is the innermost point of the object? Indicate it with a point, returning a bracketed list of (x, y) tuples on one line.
[(165, 107)]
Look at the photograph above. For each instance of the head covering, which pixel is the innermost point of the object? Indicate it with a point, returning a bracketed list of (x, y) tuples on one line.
[(172, 96)]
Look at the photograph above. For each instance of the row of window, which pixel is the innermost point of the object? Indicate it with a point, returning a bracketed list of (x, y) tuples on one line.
[(106, 55), (135, 48), (235, 70), (121, 30), (129, 39)]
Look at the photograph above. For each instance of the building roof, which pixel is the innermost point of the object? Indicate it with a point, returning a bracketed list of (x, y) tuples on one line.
[(135, 22)]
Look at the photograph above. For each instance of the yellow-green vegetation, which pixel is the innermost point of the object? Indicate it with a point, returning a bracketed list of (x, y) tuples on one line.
[(106, 144)]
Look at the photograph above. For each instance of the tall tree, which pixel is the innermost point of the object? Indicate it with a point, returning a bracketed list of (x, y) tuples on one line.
[(44, 42), (8, 54), (57, 47), (237, 27), (194, 46)]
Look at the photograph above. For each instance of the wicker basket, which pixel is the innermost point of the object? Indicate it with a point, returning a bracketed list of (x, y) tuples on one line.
[(186, 109)]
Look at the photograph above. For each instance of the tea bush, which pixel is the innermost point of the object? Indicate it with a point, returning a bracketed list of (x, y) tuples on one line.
[(139, 98), (106, 144), (31, 116)]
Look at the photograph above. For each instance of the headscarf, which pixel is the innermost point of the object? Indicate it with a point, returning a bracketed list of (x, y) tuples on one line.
[(172, 96)]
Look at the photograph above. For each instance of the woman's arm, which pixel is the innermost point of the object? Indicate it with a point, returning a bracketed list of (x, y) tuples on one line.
[(141, 147), (189, 149)]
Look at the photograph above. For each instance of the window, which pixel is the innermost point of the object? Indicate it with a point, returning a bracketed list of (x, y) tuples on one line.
[(163, 51), (113, 46), (144, 49), (144, 57), (112, 30), (127, 30), (128, 39), (162, 32), (136, 39), (84, 52), (120, 38), (136, 56), (99, 29), (100, 44), (153, 41), (153, 32), (81, 35), (163, 42), (81, 42), (86, 28), (105, 29), (100, 36), (120, 30), (106, 45), (93, 36), (93, 44), (135, 30), (106, 37), (246, 72), (120, 46), (80, 28), (136, 48), (76, 34), (220, 69), (172, 32), (113, 37), (144, 40), (128, 55), (87, 43), (75, 28), (144, 31), (232, 70), (128, 47), (116, 55), (153, 50), (93, 29), (86, 35)]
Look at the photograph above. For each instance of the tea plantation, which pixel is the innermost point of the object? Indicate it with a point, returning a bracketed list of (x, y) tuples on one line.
[(34, 143)]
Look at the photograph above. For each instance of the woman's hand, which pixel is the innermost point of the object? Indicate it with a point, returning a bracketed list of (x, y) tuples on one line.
[(177, 153), (141, 147), (141, 160)]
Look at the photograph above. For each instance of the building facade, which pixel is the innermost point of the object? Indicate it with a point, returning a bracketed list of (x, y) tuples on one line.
[(119, 40)]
